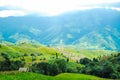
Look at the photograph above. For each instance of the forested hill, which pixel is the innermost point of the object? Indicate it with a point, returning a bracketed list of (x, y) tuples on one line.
[(87, 29)]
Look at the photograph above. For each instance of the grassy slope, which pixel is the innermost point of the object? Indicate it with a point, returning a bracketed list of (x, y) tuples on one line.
[(76, 54), (34, 76), (16, 50), (73, 76)]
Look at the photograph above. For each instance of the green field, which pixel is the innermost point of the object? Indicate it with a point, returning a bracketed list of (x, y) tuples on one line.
[(18, 50), (33, 76)]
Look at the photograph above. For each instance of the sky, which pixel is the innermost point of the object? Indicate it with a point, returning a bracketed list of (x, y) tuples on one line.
[(50, 7)]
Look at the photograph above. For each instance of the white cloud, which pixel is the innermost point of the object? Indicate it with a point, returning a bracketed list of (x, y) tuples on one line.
[(53, 7), (118, 9), (6, 13)]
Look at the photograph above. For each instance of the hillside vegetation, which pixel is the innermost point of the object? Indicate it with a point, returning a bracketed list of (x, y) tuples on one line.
[(52, 61), (28, 51), (89, 29), (34, 76)]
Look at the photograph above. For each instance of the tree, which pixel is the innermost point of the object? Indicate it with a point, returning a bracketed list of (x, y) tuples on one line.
[(95, 60), (32, 54), (85, 61), (8, 65), (56, 56), (25, 54), (107, 70), (54, 70), (0, 45), (44, 68), (61, 65), (67, 59), (33, 58), (97, 70), (58, 66), (5, 56), (22, 58)]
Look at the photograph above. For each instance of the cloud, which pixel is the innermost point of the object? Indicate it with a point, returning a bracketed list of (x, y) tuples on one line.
[(6, 13), (52, 7), (114, 8)]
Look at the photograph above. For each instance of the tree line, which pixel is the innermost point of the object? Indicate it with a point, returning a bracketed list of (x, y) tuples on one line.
[(106, 66), (8, 65)]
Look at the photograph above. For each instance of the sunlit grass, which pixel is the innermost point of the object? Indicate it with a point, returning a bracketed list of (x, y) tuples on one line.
[(15, 75)]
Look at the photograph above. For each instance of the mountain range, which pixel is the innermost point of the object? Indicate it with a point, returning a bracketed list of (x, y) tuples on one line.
[(97, 28)]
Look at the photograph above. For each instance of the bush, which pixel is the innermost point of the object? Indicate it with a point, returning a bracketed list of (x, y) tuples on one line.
[(61, 63), (32, 54), (0, 45), (33, 58), (58, 66), (106, 66), (7, 64), (25, 54), (85, 61), (11, 65)]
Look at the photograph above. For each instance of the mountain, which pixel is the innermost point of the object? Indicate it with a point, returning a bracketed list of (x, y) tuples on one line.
[(88, 29)]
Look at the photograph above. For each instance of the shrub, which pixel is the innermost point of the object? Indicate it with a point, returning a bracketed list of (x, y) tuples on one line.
[(58, 66), (85, 61)]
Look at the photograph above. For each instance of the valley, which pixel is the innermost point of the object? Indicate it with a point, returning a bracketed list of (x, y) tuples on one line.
[(89, 29), (75, 45)]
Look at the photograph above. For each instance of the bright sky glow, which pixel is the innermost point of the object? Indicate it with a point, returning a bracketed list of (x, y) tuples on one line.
[(5, 13), (48, 7)]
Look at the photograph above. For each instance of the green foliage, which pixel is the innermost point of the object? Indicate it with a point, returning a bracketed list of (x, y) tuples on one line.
[(56, 55), (8, 65), (33, 58), (58, 66), (49, 61), (27, 51), (33, 76), (0, 45), (85, 61), (5, 56), (25, 54), (106, 67), (61, 63), (32, 54)]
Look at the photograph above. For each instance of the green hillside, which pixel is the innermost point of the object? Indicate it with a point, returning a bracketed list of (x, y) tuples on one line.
[(57, 40), (89, 29), (27, 50), (76, 53), (48, 60), (34, 76)]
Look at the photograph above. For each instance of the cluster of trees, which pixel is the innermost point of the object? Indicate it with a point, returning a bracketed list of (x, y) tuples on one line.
[(50, 68), (106, 67), (7, 64), (33, 56)]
